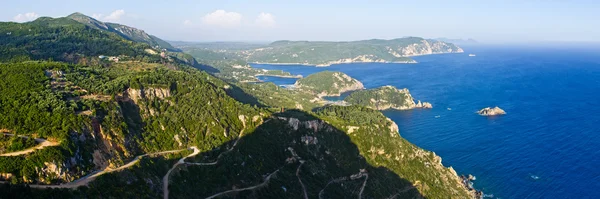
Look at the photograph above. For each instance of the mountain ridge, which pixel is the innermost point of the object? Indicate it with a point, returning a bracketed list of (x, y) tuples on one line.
[(325, 53), (128, 32), (108, 115)]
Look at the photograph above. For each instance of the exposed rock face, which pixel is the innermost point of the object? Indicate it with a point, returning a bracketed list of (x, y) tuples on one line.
[(400, 154), (491, 111), (386, 97), (148, 93), (141, 96), (427, 47)]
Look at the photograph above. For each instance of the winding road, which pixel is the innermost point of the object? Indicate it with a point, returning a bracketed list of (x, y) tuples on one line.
[(43, 143), (196, 152), (166, 177), (91, 177), (352, 177), (300, 180), (265, 183)]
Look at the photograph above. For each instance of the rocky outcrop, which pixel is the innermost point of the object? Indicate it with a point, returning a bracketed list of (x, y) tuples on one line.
[(148, 93), (491, 111), (389, 153), (427, 47), (386, 97)]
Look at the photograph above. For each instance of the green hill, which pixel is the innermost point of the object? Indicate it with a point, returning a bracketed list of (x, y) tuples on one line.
[(64, 39), (143, 127), (130, 33), (328, 83), (327, 53), (385, 97)]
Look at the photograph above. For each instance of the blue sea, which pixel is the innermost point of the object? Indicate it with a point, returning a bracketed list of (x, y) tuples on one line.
[(548, 144)]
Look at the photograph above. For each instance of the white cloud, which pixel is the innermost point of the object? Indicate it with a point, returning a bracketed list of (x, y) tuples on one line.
[(115, 16), (265, 20), (30, 16), (97, 16), (223, 19), (187, 22)]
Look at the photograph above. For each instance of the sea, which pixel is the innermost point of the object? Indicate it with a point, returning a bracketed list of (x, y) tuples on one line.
[(546, 146)]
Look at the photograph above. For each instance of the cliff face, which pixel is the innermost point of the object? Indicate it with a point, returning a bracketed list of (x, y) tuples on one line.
[(427, 47), (386, 97), (294, 154), (328, 83)]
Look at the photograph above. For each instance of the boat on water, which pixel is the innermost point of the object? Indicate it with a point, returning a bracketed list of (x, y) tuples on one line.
[(472, 55)]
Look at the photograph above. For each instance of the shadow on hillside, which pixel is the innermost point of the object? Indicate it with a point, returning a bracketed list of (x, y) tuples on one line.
[(207, 68), (240, 95), (328, 163), (323, 157)]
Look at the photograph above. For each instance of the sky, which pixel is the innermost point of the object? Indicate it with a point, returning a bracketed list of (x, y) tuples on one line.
[(491, 21)]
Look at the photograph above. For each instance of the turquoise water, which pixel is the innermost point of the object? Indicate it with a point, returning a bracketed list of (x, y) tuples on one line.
[(547, 146)]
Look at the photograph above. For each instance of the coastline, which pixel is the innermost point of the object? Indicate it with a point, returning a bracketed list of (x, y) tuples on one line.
[(282, 76), (358, 62), (436, 53), (333, 63)]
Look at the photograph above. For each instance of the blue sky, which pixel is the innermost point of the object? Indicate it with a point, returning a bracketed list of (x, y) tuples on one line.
[(489, 21)]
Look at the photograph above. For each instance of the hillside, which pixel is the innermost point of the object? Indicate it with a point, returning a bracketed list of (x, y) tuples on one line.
[(152, 127), (327, 53), (127, 32), (328, 83), (64, 39), (385, 97)]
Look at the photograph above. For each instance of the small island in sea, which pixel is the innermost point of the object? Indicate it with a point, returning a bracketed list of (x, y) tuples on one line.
[(488, 111)]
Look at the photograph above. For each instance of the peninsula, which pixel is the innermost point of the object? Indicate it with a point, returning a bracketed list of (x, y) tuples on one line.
[(322, 54), (386, 97), (328, 83)]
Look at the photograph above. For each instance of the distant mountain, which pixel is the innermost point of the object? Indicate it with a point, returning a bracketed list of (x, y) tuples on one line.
[(64, 39), (458, 41), (130, 33), (327, 53)]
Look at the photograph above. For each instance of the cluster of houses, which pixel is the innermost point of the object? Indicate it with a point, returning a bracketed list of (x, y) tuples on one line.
[(110, 58)]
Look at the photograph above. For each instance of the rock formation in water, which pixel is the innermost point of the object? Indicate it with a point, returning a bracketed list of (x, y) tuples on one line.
[(491, 111)]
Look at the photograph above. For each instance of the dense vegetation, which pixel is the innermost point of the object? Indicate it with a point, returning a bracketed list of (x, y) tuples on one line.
[(385, 96), (326, 53), (274, 96), (328, 83), (229, 66), (65, 39), (28, 105), (298, 147), (141, 181), (15, 143), (127, 32), (103, 114)]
